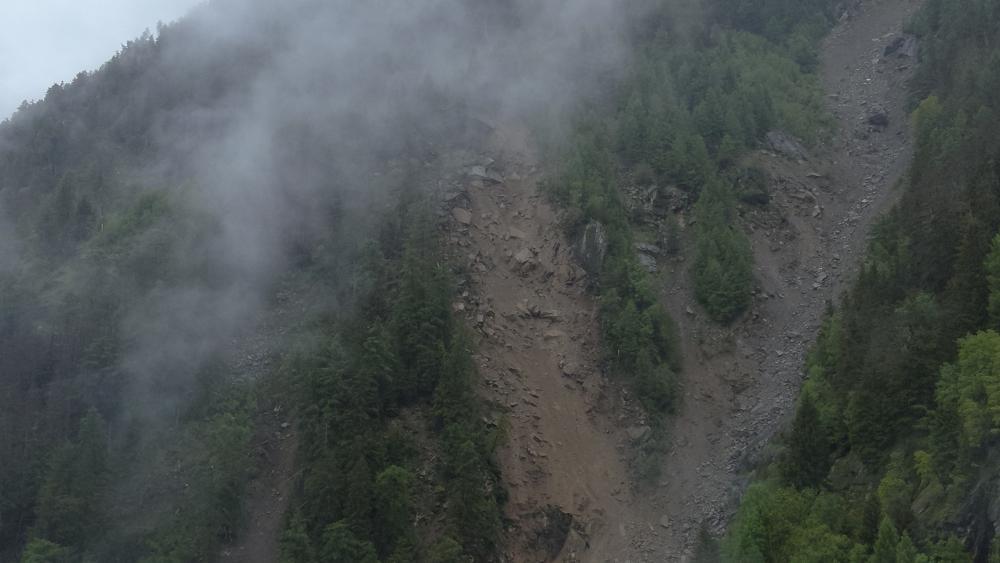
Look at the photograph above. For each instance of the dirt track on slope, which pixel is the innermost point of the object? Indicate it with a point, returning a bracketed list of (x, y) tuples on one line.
[(740, 383), (254, 357)]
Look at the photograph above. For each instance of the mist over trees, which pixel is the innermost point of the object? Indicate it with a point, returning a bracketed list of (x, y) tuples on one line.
[(154, 204), (152, 211)]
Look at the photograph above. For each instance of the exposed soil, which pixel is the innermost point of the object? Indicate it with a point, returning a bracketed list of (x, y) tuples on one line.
[(268, 494), (538, 356), (254, 358)]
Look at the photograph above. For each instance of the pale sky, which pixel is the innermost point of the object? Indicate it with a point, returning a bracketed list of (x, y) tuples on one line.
[(49, 41)]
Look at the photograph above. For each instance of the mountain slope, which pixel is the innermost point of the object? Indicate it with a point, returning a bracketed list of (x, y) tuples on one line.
[(889, 454)]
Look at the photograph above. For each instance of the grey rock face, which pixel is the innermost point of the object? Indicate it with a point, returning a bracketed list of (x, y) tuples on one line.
[(903, 47), (591, 247), (785, 145)]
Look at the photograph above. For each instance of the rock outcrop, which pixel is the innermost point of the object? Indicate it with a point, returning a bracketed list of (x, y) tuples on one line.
[(591, 247)]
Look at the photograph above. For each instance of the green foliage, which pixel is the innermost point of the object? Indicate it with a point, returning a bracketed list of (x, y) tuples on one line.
[(722, 269), (992, 267), (685, 115), (401, 351), (807, 460), (777, 524), (296, 546), (949, 550), (777, 19), (885, 545), (972, 385), (393, 505), (67, 511), (44, 551), (445, 550), (906, 552), (638, 334), (213, 455), (340, 545), (903, 376), (895, 496)]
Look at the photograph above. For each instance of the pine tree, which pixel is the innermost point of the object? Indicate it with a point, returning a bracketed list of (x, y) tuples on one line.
[(295, 544), (906, 552), (885, 544), (68, 501), (393, 507), (358, 496), (992, 266), (341, 545), (44, 551), (806, 462), (446, 550)]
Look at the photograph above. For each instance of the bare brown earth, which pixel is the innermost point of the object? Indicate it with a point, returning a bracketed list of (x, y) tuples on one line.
[(538, 356)]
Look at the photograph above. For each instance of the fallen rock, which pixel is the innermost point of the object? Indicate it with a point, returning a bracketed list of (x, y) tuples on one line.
[(514, 232), (463, 216), (569, 369), (485, 174), (665, 522), (647, 248), (878, 118), (785, 145), (636, 433), (524, 256), (553, 334), (648, 263), (904, 47)]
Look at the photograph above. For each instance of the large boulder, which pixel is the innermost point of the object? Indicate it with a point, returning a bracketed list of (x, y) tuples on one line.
[(591, 247), (878, 117), (647, 256), (463, 216), (785, 144), (904, 47), (485, 174)]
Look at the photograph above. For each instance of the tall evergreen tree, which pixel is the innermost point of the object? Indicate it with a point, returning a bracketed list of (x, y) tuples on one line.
[(885, 544), (806, 462)]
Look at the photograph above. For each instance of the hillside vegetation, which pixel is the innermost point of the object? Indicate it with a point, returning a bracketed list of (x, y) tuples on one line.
[(160, 215), (691, 105), (891, 453)]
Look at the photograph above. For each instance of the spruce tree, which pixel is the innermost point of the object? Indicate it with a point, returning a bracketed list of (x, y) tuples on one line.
[(885, 544), (806, 462)]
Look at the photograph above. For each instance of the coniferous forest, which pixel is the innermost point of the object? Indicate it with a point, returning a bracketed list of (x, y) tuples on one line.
[(241, 236), (891, 455)]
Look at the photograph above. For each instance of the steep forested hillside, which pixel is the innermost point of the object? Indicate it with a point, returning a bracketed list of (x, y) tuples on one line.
[(232, 235), (891, 456), (158, 212)]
